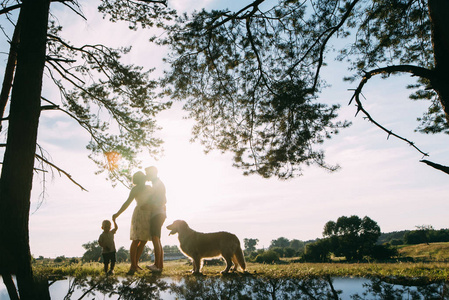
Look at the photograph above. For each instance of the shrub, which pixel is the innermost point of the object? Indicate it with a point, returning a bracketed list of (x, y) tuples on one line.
[(278, 250), (268, 257), (382, 252), (214, 262), (318, 251), (289, 252), (396, 242)]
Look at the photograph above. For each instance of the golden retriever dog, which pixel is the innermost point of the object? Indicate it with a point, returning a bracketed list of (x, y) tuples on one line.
[(198, 246)]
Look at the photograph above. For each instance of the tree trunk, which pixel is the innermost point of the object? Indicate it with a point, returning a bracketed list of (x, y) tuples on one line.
[(10, 286), (439, 19), (17, 170), (9, 71)]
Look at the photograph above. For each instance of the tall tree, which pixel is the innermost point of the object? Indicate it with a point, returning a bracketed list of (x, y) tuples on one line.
[(252, 76), (352, 237), (18, 162), (250, 245), (90, 78)]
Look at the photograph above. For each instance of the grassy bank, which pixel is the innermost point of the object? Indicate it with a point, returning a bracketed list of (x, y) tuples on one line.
[(426, 252), (423, 261), (431, 271)]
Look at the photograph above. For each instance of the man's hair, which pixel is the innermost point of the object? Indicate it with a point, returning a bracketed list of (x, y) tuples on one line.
[(151, 169)]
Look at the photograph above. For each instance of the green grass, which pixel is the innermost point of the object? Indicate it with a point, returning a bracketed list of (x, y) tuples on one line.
[(429, 252), (424, 261), (432, 271)]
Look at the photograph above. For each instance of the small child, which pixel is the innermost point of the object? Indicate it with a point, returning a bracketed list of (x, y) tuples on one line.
[(106, 241)]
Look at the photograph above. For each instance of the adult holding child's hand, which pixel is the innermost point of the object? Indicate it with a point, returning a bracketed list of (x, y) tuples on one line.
[(140, 223)]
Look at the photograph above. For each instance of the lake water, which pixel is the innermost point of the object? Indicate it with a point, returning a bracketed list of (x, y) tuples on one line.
[(242, 287)]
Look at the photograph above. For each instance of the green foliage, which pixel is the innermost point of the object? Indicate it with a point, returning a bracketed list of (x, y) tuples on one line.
[(268, 257), (250, 245), (251, 77), (382, 252), (60, 259), (352, 237), (146, 254), (278, 250), (396, 242), (426, 235), (114, 102), (266, 114), (297, 245), (389, 236), (93, 252), (318, 251), (137, 13), (122, 255), (281, 242)]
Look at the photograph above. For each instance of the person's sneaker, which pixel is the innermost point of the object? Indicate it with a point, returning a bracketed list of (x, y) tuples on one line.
[(111, 272)]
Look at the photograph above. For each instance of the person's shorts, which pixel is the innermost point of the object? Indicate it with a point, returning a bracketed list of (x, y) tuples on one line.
[(156, 224), (109, 257)]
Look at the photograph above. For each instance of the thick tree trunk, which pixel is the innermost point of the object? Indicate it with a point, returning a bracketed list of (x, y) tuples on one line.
[(439, 18), (18, 162)]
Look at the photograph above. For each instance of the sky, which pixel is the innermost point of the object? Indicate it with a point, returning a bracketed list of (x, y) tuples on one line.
[(379, 177)]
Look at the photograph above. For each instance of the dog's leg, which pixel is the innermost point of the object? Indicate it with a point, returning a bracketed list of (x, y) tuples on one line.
[(236, 264), (196, 265), (228, 264)]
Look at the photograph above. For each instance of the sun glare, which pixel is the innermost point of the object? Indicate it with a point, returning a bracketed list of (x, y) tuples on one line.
[(194, 181)]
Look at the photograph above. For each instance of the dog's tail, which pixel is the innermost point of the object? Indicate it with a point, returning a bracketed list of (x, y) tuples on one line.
[(240, 258)]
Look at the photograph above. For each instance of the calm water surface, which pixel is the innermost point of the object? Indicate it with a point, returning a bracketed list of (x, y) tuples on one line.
[(242, 287)]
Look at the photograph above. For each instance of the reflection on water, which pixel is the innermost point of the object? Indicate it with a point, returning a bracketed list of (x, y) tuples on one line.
[(243, 287)]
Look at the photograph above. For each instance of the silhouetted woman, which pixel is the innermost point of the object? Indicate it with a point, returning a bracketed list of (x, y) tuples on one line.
[(140, 222)]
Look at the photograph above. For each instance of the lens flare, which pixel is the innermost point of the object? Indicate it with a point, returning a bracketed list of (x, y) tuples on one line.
[(112, 160)]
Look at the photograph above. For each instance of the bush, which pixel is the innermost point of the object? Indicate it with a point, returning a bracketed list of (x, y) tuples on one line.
[(396, 242), (59, 259), (214, 262), (74, 260), (268, 257), (318, 251), (382, 252), (278, 250), (289, 252)]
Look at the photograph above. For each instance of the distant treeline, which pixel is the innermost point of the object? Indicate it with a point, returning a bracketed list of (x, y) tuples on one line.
[(351, 237), (424, 234)]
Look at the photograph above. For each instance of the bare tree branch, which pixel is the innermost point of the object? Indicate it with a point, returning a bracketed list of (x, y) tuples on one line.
[(254, 5), (332, 30), (60, 171), (442, 168), (9, 8), (414, 70)]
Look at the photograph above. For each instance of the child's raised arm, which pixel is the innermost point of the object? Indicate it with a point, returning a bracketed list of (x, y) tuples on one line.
[(115, 227)]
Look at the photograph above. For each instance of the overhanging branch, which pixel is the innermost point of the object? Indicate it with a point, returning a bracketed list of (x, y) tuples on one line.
[(60, 171), (414, 70), (442, 168)]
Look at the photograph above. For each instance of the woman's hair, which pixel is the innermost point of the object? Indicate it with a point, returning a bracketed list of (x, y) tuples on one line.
[(139, 177)]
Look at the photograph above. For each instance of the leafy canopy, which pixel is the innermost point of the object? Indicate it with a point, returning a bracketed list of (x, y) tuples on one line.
[(114, 102), (252, 77)]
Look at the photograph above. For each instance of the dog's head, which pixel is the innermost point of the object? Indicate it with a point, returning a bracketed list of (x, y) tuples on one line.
[(177, 226)]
